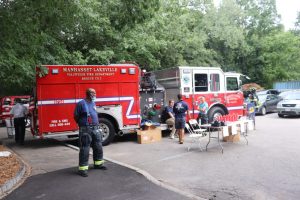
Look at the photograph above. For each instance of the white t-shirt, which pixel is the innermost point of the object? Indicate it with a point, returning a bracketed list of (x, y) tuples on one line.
[(19, 110)]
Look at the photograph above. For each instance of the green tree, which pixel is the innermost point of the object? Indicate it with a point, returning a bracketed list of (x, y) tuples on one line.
[(281, 57)]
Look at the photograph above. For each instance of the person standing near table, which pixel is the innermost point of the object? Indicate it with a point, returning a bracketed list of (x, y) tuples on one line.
[(86, 116), (19, 113), (203, 108), (180, 109)]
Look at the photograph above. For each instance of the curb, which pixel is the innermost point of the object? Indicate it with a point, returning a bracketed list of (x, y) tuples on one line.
[(16, 180), (12, 182), (148, 176)]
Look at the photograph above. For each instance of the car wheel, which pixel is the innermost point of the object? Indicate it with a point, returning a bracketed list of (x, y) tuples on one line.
[(108, 131), (280, 115), (263, 110)]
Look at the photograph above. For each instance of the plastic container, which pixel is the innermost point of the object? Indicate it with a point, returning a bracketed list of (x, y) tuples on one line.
[(10, 127)]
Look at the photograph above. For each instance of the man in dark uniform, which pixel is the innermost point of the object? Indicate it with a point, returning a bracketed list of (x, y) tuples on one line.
[(180, 108), (86, 116)]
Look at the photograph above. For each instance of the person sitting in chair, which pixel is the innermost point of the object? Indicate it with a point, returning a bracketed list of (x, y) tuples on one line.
[(168, 117)]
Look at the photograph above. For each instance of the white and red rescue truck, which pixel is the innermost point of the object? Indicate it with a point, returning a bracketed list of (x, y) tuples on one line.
[(221, 90), (60, 87), (6, 104)]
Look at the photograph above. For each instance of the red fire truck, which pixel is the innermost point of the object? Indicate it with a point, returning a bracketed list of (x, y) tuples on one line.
[(59, 88), (221, 90), (6, 104)]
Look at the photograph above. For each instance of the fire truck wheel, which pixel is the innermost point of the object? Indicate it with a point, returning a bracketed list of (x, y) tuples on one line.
[(108, 131), (214, 113)]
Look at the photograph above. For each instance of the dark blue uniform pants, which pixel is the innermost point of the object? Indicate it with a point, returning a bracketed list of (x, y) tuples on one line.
[(90, 136), (19, 124)]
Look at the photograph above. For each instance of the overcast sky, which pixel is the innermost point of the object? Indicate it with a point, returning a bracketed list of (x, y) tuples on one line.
[(287, 9)]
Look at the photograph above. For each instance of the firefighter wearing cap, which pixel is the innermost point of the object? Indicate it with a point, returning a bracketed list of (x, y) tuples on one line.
[(86, 116)]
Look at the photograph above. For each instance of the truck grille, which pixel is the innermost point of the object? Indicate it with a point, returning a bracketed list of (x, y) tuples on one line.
[(288, 105)]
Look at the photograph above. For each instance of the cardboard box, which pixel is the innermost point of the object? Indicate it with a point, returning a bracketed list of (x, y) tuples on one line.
[(233, 137), (152, 134)]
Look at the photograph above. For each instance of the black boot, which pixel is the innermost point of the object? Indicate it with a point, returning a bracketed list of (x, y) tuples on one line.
[(100, 167), (83, 173)]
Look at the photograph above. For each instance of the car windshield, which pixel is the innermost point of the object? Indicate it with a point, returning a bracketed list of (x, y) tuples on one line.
[(293, 96), (261, 92), (262, 97)]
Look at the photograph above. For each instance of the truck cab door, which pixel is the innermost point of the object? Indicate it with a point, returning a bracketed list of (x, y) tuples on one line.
[(233, 96), (200, 87)]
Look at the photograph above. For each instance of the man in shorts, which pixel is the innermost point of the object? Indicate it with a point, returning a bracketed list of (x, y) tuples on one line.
[(180, 109)]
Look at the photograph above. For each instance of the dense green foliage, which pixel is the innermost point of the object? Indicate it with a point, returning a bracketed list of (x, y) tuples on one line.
[(240, 35)]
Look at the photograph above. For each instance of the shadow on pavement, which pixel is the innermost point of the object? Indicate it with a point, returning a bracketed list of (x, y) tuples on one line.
[(117, 183)]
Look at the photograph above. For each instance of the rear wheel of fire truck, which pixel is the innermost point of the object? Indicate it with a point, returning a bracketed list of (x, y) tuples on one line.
[(108, 131), (214, 113)]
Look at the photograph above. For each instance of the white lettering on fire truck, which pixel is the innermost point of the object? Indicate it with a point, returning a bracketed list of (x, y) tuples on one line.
[(77, 69), (59, 101), (87, 78), (59, 123), (89, 69), (87, 74)]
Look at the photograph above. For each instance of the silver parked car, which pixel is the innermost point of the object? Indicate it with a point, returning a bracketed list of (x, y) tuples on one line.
[(290, 105)]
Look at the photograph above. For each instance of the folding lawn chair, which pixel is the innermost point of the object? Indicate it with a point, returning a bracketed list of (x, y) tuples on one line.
[(195, 135), (196, 127)]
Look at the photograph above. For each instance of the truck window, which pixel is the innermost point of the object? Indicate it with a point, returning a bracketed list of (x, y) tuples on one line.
[(215, 82), (232, 84), (200, 83)]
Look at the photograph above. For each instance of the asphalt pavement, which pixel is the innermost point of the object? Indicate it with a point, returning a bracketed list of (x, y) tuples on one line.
[(54, 176), (115, 183), (266, 168)]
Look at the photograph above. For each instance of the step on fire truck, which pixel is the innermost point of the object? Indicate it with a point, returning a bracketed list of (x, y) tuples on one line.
[(221, 89)]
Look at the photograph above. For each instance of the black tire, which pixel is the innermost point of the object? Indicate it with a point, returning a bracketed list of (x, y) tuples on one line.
[(108, 131), (214, 112), (280, 115)]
